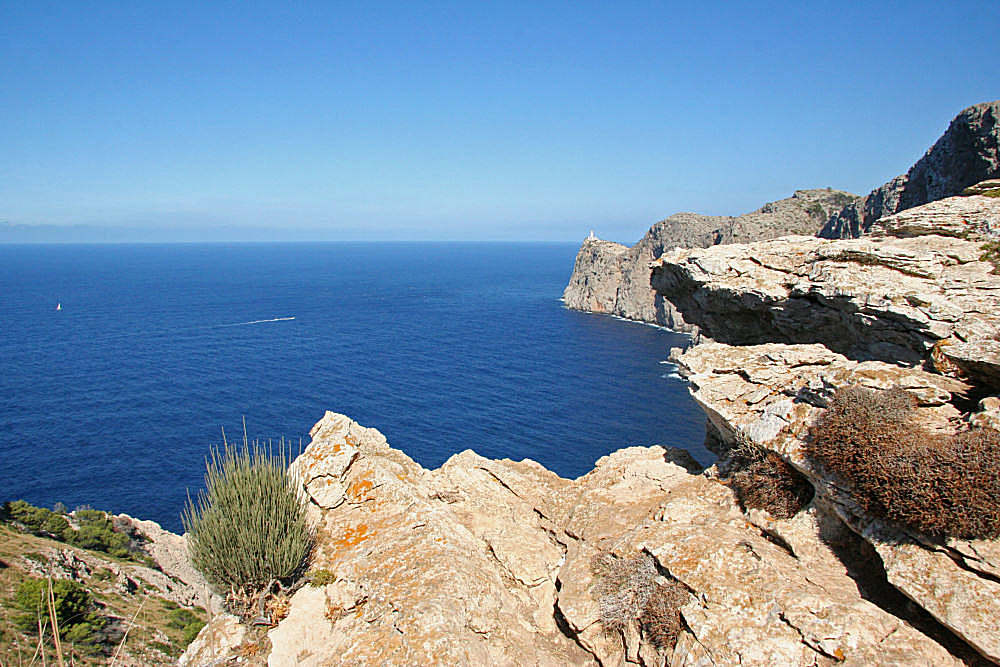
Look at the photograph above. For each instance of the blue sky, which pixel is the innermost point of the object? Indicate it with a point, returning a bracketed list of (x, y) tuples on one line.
[(466, 121)]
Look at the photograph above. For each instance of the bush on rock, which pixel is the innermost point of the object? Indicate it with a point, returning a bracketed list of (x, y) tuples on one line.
[(935, 484), (248, 527)]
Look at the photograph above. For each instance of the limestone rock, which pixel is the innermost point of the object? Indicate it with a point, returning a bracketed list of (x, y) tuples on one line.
[(978, 358), (169, 551), (967, 153), (215, 643), (971, 218), (882, 298), (611, 278), (489, 562), (954, 581)]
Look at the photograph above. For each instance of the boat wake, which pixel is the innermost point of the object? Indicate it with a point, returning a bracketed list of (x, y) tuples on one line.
[(243, 324)]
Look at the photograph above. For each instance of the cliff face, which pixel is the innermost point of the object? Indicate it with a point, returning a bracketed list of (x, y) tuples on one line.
[(967, 153), (912, 290), (611, 278)]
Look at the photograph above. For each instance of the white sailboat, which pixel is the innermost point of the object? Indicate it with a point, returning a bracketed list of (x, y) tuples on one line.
[(58, 306)]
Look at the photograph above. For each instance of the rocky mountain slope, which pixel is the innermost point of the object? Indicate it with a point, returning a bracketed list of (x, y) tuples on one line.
[(146, 607), (612, 278), (967, 153)]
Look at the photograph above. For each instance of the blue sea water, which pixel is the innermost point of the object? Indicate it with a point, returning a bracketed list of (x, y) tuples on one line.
[(115, 400)]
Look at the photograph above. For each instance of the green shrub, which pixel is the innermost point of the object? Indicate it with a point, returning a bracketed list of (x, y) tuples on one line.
[(96, 529), (74, 607), (38, 520), (96, 532), (937, 485), (629, 590), (187, 621), (248, 527)]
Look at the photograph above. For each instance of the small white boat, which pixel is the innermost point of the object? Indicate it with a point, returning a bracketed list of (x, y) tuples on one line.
[(58, 306)]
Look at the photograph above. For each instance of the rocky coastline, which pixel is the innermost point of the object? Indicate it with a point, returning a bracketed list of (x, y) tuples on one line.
[(503, 562), (498, 562)]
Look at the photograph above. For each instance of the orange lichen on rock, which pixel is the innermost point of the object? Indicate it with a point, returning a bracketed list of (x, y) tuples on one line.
[(361, 486), (351, 537)]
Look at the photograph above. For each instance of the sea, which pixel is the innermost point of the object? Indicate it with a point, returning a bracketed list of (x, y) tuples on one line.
[(122, 365)]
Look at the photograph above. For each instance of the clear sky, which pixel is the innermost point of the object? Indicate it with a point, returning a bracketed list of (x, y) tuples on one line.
[(466, 121)]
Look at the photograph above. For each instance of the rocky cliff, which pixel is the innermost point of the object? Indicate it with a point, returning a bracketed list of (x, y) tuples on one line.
[(612, 278), (493, 562), (967, 153), (894, 296), (648, 560)]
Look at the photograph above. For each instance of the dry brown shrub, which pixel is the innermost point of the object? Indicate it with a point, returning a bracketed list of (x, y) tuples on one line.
[(762, 479), (661, 619), (630, 590), (934, 484)]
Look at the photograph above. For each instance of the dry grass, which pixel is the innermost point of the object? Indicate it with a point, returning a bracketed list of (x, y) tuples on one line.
[(630, 590), (937, 485)]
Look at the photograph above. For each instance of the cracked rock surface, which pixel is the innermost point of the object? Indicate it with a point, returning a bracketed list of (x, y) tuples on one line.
[(489, 562), (773, 392)]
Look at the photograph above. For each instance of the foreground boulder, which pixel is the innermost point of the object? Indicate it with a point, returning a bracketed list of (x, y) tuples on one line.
[(492, 562)]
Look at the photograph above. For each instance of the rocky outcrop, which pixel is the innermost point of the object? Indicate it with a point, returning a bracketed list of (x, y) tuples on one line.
[(612, 278), (967, 153), (773, 392), (899, 298), (169, 552), (490, 562)]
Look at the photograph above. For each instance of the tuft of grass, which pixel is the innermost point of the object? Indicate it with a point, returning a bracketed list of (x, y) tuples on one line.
[(934, 484), (248, 528), (630, 590)]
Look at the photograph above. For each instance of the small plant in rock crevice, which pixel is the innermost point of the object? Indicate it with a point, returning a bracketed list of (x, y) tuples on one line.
[(991, 252), (935, 484), (631, 590)]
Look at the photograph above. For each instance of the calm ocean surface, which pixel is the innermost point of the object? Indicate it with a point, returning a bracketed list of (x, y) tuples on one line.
[(115, 400)]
